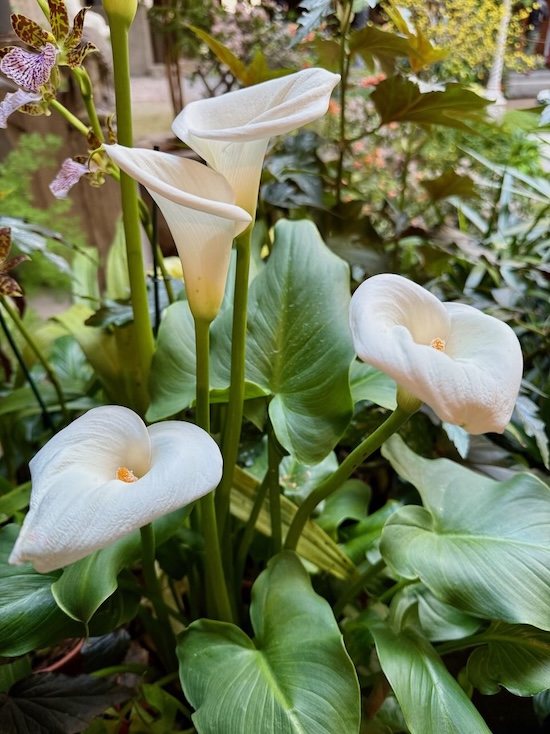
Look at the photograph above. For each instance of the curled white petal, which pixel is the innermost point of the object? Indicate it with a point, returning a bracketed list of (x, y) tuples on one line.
[(14, 101), (231, 132), (79, 506), (198, 205), (473, 382)]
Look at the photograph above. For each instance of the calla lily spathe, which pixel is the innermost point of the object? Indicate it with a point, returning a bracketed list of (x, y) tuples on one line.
[(106, 475), (231, 132), (198, 205), (464, 364)]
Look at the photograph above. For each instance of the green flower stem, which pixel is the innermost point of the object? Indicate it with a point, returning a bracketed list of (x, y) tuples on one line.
[(346, 468), (166, 640), (130, 212), (86, 90), (68, 115), (214, 566), (28, 337), (345, 60), (19, 357), (232, 428), (273, 461)]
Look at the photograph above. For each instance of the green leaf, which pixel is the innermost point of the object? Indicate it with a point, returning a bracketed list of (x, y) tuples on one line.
[(515, 656), (314, 545), (14, 501), (450, 184), (437, 620), (313, 12), (364, 534), (299, 480), (57, 704), (299, 343), (257, 71), (30, 618), (371, 43), (398, 99), (369, 383), (86, 584), (11, 672), (431, 699), (478, 544), (348, 502), (294, 677)]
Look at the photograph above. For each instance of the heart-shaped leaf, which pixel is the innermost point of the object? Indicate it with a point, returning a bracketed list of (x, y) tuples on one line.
[(29, 616), (515, 656), (478, 544), (294, 677)]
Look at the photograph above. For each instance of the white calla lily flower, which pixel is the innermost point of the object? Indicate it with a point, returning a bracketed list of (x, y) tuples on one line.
[(198, 205), (464, 364), (106, 475), (231, 132)]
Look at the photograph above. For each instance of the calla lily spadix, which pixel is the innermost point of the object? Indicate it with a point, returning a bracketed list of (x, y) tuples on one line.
[(198, 205), (106, 475), (464, 364), (231, 132)]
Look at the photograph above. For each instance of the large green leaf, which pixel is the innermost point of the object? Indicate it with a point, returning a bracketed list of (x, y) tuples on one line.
[(400, 100), (372, 43), (431, 699), (299, 346), (514, 656), (299, 343), (29, 616), (294, 677), (86, 584), (478, 544)]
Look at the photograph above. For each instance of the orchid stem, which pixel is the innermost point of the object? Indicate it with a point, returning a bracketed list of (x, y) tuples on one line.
[(167, 640), (68, 115), (214, 566), (130, 212), (28, 337), (346, 468), (232, 428), (86, 90), (19, 357)]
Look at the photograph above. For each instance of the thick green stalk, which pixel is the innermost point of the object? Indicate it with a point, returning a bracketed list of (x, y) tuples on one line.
[(234, 417), (28, 337), (130, 213), (345, 60), (346, 468), (166, 640), (215, 577)]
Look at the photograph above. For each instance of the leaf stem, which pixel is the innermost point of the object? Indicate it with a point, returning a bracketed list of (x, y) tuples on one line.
[(357, 585), (232, 428), (350, 463), (215, 577)]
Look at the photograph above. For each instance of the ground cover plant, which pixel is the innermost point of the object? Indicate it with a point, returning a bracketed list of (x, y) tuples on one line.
[(305, 489)]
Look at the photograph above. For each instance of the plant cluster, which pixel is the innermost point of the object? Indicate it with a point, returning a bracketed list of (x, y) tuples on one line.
[(305, 489)]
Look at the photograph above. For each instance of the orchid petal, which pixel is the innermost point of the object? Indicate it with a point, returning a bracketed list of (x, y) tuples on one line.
[(197, 204), (473, 382), (14, 101), (29, 70), (250, 117), (79, 506), (69, 174)]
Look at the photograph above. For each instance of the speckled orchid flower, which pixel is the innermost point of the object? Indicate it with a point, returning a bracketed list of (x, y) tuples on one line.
[(69, 175), (198, 205), (231, 132), (8, 285), (464, 364), (106, 475)]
